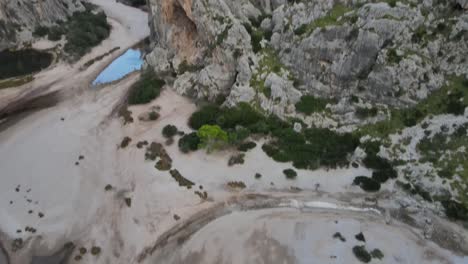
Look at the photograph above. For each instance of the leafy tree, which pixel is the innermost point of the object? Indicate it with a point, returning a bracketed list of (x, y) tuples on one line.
[(147, 88), (212, 137), (189, 142)]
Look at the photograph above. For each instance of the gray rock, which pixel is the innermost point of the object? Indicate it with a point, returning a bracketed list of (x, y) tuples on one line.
[(389, 55), (158, 60), (19, 18)]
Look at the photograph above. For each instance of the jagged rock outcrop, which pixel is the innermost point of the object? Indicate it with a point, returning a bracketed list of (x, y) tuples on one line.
[(18, 18), (387, 52)]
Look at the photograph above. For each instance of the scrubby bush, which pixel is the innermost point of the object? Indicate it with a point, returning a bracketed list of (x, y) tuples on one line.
[(147, 88), (383, 169), (84, 31), (361, 253), (125, 142), (169, 131), (290, 173), (362, 112), (238, 135), (310, 104), (310, 149), (377, 253), (246, 146), (137, 3), (40, 31), (367, 184), (207, 115), (236, 159), (189, 142), (455, 210), (55, 33)]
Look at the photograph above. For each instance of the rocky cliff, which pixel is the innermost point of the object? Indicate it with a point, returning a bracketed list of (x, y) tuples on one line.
[(18, 18), (270, 52)]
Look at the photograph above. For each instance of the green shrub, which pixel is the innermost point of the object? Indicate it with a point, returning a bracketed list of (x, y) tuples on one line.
[(310, 104), (97, 250), (55, 33), (361, 253), (367, 184), (169, 131), (153, 115), (290, 173), (84, 31), (455, 210), (207, 115), (239, 135), (40, 31), (236, 159), (212, 137), (362, 112), (189, 142), (377, 253), (309, 149), (145, 89), (246, 146), (125, 142)]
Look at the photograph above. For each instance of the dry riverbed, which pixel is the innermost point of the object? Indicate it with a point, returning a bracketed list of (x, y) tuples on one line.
[(68, 180)]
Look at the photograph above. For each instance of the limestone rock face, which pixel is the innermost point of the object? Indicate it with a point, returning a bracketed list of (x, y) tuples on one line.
[(18, 18), (270, 52)]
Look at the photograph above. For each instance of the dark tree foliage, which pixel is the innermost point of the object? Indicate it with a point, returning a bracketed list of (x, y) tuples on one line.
[(310, 149), (145, 89), (84, 31), (169, 131), (189, 142), (290, 173), (455, 210), (362, 254), (367, 184)]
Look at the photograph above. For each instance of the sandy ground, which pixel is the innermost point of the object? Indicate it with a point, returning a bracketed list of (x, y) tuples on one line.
[(129, 26), (289, 236), (41, 172)]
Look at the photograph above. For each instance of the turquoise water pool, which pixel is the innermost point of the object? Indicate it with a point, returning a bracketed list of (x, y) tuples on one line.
[(129, 62)]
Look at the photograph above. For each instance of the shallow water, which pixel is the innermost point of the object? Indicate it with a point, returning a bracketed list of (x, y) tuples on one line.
[(129, 62)]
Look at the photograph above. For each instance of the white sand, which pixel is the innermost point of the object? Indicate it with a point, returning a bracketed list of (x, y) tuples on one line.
[(39, 153), (288, 236)]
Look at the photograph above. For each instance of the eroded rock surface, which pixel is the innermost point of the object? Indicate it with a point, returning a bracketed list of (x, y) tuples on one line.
[(18, 18), (383, 52)]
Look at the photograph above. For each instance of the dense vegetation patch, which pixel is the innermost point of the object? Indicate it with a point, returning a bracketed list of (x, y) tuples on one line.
[(309, 104), (309, 149), (22, 62), (246, 146), (145, 89), (367, 184), (442, 151), (83, 31), (450, 99)]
